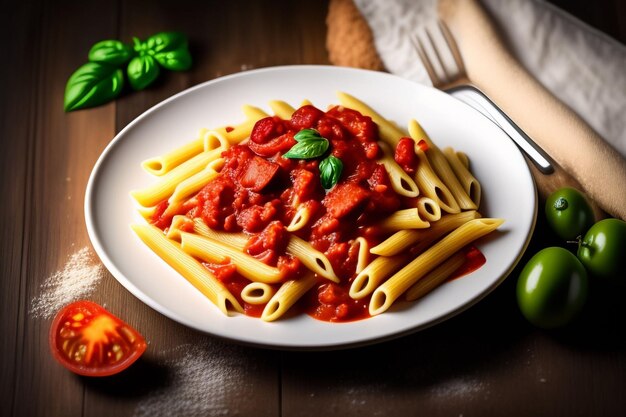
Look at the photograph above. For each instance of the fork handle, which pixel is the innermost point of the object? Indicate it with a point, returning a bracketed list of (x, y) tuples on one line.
[(548, 175), (476, 99), (597, 167)]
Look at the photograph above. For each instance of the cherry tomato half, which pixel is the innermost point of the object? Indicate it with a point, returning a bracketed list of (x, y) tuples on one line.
[(603, 250), (90, 341), (552, 288), (568, 213)]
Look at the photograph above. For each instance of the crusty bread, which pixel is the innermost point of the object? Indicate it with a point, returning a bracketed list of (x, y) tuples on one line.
[(349, 39)]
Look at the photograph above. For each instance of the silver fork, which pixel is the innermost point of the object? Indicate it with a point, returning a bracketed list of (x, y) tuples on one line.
[(438, 52)]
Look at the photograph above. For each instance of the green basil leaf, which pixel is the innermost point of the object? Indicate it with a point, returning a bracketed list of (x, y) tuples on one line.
[(166, 42), (330, 171), (111, 52), (91, 85), (176, 60), (307, 134), (308, 149), (142, 71)]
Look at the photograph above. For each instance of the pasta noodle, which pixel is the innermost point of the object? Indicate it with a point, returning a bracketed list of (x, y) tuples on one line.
[(435, 277), (226, 208), (257, 293), (459, 165), (442, 167), (282, 109), (395, 286), (404, 239), (188, 267), (210, 250), (286, 296)]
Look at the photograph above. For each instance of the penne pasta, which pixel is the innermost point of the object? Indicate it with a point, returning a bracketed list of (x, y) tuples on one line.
[(432, 187), (313, 259), (460, 167), (210, 250), (166, 184), (401, 182), (282, 109), (403, 219), (384, 296), (309, 223), (404, 239), (253, 112), (435, 278), (428, 209), (442, 167), (257, 293), (286, 296), (236, 240), (300, 219), (364, 251), (374, 274), (196, 274), (162, 164)]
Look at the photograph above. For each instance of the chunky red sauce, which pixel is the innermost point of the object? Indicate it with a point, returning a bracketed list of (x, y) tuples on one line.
[(258, 190)]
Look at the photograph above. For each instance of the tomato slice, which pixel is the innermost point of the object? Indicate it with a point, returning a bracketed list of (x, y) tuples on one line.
[(90, 341)]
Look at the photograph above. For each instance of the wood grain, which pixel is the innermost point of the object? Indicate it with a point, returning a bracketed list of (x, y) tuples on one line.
[(487, 361)]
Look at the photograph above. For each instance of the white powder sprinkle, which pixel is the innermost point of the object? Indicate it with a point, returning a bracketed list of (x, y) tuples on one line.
[(203, 378), (459, 388), (77, 279)]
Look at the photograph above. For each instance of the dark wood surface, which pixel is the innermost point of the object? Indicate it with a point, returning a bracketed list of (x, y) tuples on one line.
[(486, 361)]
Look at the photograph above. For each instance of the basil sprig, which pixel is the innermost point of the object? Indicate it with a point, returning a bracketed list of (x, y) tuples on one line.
[(310, 144), (330, 171), (307, 149), (102, 79)]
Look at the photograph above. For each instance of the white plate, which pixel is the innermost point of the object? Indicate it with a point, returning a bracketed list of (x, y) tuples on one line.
[(507, 186)]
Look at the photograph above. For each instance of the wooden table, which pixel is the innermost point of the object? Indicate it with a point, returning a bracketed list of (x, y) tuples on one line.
[(486, 361)]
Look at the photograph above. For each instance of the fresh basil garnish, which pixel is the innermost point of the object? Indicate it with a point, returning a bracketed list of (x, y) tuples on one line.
[(111, 52), (306, 134), (91, 85), (308, 149), (166, 42), (176, 60), (330, 171), (142, 71), (102, 79)]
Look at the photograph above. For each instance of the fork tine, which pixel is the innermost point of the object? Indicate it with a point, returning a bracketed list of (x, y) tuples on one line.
[(452, 46), (438, 53), (419, 48)]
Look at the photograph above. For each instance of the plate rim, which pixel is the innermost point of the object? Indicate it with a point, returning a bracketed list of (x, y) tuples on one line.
[(143, 297)]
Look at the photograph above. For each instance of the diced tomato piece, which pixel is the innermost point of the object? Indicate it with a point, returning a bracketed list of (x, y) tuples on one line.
[(306, 117), (216, 201), (289, 266), (279, 144), (331, 129), (344, 198), (258, 173), (362, 127), (254, 218), (332, 293), (266, 129), (224, 272), (405, 155), (306, 184)]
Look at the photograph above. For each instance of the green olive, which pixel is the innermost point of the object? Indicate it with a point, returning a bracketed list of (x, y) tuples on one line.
[(552, 288), (568, 213), (603, 250)]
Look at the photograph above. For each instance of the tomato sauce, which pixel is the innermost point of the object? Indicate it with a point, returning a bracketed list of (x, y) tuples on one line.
[(258, 191), (474, 259)]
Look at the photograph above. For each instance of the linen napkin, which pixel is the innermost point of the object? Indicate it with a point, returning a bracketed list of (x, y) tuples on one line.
[(576, 64)]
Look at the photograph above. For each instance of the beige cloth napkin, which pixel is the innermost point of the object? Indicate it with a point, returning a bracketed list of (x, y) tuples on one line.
[(560, 57)]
